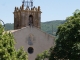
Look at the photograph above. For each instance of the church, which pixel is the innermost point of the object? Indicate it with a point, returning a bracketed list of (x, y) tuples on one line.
[(27, 31)]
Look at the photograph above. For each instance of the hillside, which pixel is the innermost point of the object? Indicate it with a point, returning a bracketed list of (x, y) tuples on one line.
[(49, 27)]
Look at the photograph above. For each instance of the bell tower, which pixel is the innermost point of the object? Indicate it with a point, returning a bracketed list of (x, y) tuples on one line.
[(27, 15)]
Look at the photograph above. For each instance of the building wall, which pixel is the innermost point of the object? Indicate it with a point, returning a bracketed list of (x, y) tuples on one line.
[(41, 40)]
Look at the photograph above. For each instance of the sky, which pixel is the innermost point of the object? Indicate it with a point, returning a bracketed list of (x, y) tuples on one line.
[(51, 9)]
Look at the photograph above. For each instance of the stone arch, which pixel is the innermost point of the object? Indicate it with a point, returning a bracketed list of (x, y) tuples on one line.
[(31, 20)]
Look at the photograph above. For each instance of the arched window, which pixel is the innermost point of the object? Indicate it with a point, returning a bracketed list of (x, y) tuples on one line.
[(30, 20)]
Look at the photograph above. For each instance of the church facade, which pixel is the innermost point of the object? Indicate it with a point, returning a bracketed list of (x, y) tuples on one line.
[(27, 31)]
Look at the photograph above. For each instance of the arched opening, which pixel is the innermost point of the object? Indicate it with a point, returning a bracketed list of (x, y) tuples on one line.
[(30, 50), (17, 24), (30, 20)]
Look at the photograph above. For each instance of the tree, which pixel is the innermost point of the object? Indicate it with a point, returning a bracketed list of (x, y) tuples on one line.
[(43, 55), (7, 49), (68, 39)]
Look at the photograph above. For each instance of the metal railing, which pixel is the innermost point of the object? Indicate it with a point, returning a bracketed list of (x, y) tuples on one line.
[(2, 22)]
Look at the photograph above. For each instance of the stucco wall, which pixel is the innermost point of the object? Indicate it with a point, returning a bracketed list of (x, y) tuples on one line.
[(42, 41)]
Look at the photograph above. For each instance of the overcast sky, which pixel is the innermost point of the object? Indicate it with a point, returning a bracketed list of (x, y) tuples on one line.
[(51, 9)]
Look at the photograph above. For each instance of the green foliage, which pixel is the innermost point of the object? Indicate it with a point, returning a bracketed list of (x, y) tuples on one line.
[(21, 54), (7, 49), (68, 39), (43, 55)]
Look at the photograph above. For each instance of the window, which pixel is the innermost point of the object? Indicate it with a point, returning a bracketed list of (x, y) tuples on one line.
[(30, 41), (30, 50)]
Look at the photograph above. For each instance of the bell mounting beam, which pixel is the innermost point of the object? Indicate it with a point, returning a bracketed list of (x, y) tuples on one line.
[(28, 3)]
